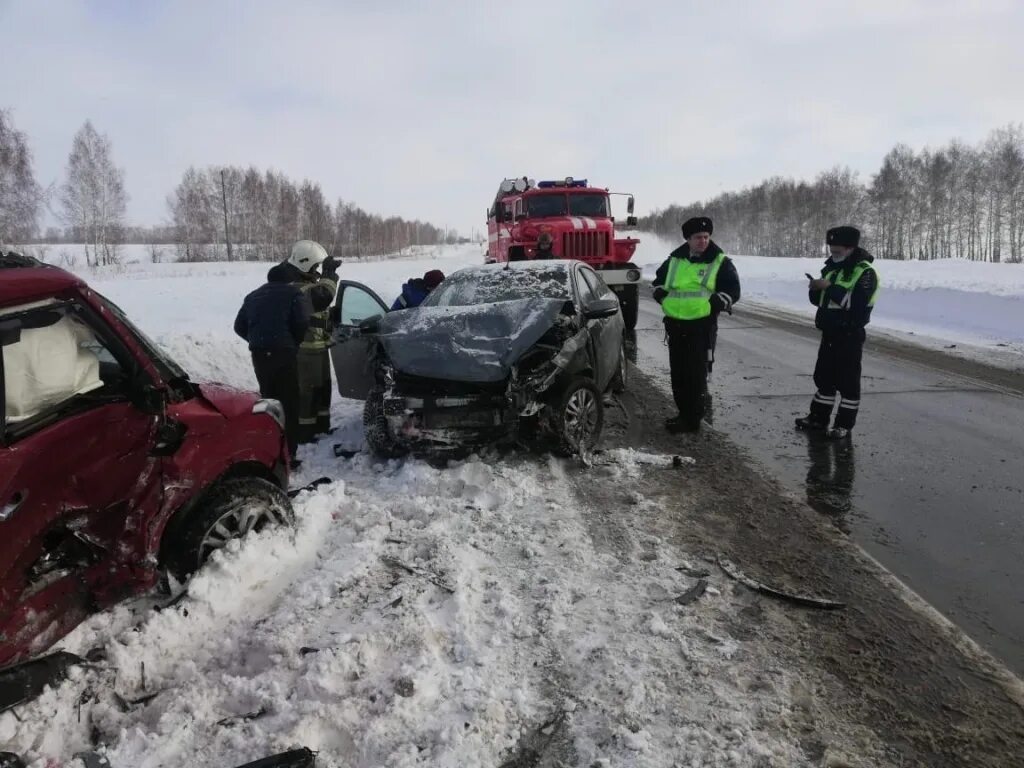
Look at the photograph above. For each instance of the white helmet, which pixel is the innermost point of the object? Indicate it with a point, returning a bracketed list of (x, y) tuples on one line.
[(307, 255)]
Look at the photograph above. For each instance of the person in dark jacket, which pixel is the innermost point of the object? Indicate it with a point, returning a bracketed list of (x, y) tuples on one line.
[(695, 284), (545, 245), (313, 272), (844, 295), (273, 320), (417, 289)]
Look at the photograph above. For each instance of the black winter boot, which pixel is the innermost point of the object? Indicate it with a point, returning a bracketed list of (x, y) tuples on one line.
[(811, 423), (678, 425)]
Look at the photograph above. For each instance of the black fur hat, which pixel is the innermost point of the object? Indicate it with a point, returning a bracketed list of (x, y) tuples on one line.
[(847, 237), (697, 224)]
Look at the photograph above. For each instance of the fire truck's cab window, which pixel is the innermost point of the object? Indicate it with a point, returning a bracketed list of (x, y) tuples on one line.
[(588, 205), (540, 206)]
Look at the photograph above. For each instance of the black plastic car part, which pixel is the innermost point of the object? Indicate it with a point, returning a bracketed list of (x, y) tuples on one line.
[(23, 682), (296, 758)]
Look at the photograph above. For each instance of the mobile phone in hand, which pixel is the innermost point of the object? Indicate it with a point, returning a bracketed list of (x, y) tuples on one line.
[(809, 277)]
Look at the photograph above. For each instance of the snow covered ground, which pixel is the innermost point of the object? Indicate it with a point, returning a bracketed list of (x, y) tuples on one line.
[(936, 303), (518, 624)]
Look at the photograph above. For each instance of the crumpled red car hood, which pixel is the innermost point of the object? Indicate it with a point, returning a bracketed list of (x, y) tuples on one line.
[(229, 401)]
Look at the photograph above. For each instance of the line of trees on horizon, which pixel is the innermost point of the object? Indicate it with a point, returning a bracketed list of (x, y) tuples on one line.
[(956, 201), (260, 213), (265, 212)]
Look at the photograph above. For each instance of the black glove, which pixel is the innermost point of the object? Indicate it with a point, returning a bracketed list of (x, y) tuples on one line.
[(720, 304), (660, 294), (330, 266)]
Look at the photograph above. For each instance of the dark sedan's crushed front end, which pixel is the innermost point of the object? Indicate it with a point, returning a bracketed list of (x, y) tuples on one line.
[(411, 411)]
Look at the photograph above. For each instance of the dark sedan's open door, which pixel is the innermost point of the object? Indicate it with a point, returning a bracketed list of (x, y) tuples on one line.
[(350, 349)]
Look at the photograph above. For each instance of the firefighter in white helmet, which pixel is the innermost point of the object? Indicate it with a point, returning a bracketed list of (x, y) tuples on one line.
[(315, 273)]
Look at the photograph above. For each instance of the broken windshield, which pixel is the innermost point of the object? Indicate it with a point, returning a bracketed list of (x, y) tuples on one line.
[(485, 286)]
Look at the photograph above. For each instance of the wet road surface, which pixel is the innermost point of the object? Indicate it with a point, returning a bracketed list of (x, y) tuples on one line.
[(932, 483)]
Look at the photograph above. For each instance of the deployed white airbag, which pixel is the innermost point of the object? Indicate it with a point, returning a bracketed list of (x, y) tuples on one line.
[(48, 366)]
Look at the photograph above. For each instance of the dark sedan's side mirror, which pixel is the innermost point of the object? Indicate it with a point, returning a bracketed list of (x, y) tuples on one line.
[(370, 324), (600, 308)]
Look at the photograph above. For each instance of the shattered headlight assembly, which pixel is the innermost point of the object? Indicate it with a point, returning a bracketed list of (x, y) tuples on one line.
[(531, 379), (272, 408)]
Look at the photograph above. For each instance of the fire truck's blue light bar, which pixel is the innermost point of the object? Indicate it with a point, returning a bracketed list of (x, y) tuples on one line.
[(561, 183)]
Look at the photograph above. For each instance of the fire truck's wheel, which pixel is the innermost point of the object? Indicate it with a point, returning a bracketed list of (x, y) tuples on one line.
[(629, 300), (577, 416), (377, 430), (232, 509)]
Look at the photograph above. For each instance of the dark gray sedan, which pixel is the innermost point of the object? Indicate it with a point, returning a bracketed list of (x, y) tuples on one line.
[(516, 352)]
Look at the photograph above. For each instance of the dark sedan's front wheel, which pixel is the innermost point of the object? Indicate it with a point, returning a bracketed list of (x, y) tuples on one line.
[(577, 416), (376, 429), (619, 380)]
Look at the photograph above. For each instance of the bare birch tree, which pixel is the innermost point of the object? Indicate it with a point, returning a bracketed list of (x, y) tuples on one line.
[(20, 196), (93, 198)]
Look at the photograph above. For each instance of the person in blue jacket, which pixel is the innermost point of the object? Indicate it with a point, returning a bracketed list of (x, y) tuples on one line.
[(274, 320), (417, 289)]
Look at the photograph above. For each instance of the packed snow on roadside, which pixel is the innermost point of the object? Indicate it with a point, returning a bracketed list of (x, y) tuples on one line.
[(938, 303), (419, 615)]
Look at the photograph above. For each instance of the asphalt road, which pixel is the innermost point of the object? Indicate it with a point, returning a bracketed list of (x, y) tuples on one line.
[(932, 482)]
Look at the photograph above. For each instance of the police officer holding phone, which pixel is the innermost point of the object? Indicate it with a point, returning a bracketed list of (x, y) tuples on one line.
[(844, 295)]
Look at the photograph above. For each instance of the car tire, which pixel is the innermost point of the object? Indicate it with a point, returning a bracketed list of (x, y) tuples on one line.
[(376, 429), (621, 377), (577, 416), (229, 510), (629, 300)]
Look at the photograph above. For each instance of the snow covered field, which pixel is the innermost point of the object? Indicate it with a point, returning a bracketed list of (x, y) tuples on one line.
[(939, 303), (519, 624)]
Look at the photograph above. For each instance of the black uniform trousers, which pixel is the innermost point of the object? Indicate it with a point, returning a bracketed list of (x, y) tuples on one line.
[(314, 393), (690, 350), (277, 372), (838, 372)]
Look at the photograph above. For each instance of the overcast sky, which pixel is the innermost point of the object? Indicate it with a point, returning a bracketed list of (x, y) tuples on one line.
[(420, 109)]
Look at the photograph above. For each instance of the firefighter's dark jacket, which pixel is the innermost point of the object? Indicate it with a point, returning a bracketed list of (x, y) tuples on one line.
[(274, 316), (321, 295), (857, 313), (321, 290), (727, 281)]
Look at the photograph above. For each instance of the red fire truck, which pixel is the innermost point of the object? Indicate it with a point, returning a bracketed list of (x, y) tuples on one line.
[(578, 219)]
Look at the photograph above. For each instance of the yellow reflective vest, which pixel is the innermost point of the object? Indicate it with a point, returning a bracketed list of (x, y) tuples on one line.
[(690, 286)]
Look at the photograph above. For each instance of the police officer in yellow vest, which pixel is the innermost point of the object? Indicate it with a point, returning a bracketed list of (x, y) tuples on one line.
[(844, 295), (696, 283), (315, 274)]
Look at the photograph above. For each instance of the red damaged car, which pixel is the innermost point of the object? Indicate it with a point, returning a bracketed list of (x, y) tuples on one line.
[(114, 466)]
